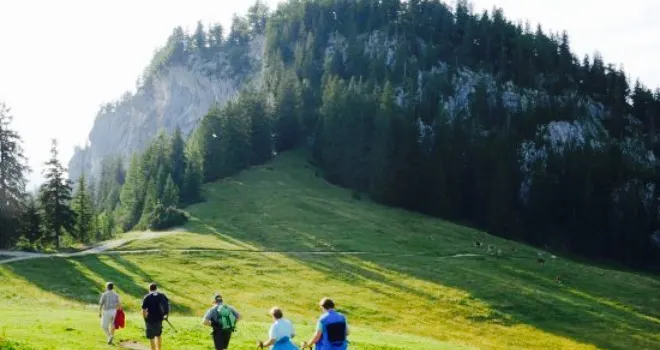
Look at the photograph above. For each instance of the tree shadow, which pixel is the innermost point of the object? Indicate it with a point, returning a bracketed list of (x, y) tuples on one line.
[(515, 291), (82, 279)]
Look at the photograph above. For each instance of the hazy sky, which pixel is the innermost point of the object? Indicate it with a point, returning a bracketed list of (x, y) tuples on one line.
[(61, 60)]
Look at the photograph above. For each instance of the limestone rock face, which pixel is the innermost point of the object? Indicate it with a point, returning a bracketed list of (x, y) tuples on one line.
[(177, 95)]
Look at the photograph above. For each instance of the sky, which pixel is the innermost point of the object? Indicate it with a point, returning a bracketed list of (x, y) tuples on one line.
[(61, 60)]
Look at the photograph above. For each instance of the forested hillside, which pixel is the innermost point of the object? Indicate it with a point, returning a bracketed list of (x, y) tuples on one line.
[(191, 73), (470, 117), (418, 104)]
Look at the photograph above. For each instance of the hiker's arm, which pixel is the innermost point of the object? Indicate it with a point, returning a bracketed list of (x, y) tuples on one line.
[(316, 338), (101, 304), (270, 342), (145, 313), (206, 321)]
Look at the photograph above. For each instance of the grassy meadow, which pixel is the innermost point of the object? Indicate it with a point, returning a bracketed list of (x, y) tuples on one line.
[(280, 235)]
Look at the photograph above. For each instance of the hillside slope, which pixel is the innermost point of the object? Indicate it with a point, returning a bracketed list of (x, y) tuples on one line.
[(279, 234)]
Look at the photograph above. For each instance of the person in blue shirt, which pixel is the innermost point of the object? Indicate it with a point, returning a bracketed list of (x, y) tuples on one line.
[(331, 329), (280, 334)]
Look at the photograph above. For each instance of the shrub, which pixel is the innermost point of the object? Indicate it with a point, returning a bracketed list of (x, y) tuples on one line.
[(163, 218)]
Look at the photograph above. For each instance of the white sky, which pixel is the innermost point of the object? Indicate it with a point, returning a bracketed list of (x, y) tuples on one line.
[(61, 60)]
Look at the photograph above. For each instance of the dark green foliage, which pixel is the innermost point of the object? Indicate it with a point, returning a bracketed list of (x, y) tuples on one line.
[(363, 81), (287, 118), (132, 195), (55, 199), (31, 228), (193, 178), (178, 158), (164, 217), (83, 206), (170, 197), (12, 179), (109, 185)]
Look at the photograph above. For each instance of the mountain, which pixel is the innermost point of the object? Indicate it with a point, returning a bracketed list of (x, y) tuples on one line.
[(180, 85), (437, 109)]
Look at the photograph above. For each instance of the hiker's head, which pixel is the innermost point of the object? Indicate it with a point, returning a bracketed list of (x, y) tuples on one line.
[(276, 312), (327, 304), (109, 286), (153, 287), (217, 298)]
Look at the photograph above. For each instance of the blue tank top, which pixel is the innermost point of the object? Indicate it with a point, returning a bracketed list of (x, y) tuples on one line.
[(333, 326)]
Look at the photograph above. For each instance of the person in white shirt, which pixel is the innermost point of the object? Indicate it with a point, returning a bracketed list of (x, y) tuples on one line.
[(108, 305), (280, 334)]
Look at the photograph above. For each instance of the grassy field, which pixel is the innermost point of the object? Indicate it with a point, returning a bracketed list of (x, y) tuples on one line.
[(405, 281)]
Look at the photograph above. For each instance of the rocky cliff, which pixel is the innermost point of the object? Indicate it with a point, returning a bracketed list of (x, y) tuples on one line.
[(176, 95)]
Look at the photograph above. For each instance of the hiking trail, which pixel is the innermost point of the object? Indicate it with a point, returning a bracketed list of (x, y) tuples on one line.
[(101, 248)]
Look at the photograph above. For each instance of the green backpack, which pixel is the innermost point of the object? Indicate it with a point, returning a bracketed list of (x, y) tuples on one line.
[(226, 318)]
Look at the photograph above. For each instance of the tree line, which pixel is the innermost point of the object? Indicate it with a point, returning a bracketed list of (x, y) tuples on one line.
[(470, 117), (456, 114)]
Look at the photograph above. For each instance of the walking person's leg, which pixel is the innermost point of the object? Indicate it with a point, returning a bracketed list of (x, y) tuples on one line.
[(104, 324), (111, 325), (159, 343)]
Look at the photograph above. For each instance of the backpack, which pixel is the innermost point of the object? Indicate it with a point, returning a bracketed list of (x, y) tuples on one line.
[(226, 318)]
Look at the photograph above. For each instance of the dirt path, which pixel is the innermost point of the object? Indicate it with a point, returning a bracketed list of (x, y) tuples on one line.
[(101, 248)]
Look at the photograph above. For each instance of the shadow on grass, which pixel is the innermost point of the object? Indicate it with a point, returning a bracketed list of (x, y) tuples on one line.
[(71, 278), (517, 291)]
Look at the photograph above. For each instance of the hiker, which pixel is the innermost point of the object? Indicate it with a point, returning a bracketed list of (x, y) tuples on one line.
[(108, 305), (155, 309), (280, 334), (331, 330), (222, 318)]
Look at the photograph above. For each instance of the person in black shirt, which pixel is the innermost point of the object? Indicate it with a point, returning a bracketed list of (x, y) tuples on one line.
[(155, 309)]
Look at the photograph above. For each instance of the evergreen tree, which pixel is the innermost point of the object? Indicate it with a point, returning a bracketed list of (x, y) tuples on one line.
[(12, 178), (31, 221), (170, 197), (288, 126), (215, 38), (132, 195), (194, 176), (55, 198), (199, 37), (177, 158), (258, 17), (83, 206)]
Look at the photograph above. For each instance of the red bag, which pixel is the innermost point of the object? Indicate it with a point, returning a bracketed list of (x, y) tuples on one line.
[(120, 319)]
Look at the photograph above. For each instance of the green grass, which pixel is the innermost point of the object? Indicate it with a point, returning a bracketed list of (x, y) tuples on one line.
[(407, 291)]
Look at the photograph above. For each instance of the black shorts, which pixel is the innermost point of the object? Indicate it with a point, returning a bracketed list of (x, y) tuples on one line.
[(221, 339), (153, 329)]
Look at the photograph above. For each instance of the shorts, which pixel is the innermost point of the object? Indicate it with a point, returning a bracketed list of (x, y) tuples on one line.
[(153, 329), (221, 339), (108, 318)]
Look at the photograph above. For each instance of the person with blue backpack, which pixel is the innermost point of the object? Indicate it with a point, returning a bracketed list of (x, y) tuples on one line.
[(222, 318), (331, 329), (280, 334)]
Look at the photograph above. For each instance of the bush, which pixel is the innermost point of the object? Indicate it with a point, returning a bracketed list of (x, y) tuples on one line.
[(163, 218)]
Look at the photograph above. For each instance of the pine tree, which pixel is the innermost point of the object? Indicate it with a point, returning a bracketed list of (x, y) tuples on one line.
[(151, 200), (194, 176), (12, 178), (132, 195), (199, 38), (177, 158), (215, 38), (170, 196), (258, 16), (83, 206), (288, 125), (55, 198), (31, 220)]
